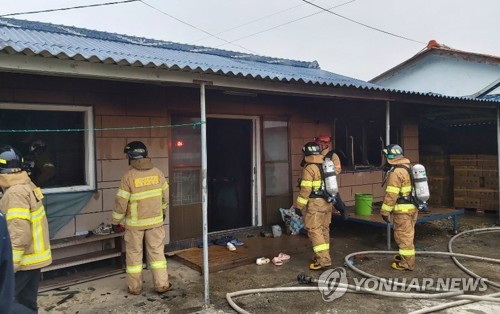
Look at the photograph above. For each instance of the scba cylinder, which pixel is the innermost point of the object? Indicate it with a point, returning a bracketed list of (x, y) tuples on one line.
[(421, 185), (331, 185)]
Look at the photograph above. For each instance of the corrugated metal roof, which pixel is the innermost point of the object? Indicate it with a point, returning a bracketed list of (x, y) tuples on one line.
[(69, 42), (50, 40)]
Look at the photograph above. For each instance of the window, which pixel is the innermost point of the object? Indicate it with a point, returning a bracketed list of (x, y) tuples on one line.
[(276, 158), (67, 149), (359, 142)]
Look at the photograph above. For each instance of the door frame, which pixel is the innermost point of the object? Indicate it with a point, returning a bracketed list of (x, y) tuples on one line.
[(256, 184)]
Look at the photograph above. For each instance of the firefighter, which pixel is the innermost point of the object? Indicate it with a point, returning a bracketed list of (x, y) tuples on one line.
[(397, 201), (142, 201), (41, 161), (316, 210), (6, 268), (28, 228), (324, 142)]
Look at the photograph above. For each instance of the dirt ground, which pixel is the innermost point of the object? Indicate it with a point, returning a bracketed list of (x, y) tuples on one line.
[(108, 295)]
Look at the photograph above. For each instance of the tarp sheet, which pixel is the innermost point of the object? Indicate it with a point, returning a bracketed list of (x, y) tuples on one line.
[(61, 208)]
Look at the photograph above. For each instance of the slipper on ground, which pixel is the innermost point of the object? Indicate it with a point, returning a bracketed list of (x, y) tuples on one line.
[(236, 242), (230, 246), (283, 256), (277, 261)]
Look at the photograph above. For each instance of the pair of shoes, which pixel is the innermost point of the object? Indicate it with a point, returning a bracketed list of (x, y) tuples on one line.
[(103, 229), (164, 289), (230, 246), (280, 259), (396, 266), (262, 261)]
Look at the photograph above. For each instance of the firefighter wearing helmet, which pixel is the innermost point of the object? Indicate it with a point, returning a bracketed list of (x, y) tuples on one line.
[(22, 205), (397, 201), (43, 169), (325, 142), (142, 201), (317, 211)]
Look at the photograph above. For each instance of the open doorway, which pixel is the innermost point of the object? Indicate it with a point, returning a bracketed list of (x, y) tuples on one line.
[(229, 166)]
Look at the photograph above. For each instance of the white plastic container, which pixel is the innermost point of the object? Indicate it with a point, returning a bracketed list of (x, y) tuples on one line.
[(276, 229)]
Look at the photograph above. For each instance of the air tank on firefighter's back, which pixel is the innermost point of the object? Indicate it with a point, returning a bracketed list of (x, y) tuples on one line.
[(421, 185), (331, 185)]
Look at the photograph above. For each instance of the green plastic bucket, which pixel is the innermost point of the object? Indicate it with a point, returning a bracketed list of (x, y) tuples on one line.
[(363, 204)]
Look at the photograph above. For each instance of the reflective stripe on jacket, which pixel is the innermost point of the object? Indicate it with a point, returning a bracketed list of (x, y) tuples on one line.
[(26, 220), (311, 180), (398, 184), (142, 198)]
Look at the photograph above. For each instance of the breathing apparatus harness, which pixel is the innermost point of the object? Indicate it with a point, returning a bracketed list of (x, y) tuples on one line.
[(413, 197), (321, 192)]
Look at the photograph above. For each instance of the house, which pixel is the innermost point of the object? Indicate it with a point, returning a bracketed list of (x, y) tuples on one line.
[(443, 70), (461, 173), (87, 93)]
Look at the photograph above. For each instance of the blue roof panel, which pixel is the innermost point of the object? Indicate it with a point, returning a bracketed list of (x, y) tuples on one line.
[(69, 41), (60, 41)]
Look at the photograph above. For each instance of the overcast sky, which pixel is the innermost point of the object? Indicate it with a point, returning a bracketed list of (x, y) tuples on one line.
[(293, 29)]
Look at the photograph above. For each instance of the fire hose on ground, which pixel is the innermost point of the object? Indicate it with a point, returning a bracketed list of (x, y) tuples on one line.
[(458, 297)]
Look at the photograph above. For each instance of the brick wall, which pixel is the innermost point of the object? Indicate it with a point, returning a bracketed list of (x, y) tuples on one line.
[(115, 105)]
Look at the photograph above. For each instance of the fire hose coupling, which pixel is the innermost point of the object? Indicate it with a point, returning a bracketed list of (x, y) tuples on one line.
[(305, 279)]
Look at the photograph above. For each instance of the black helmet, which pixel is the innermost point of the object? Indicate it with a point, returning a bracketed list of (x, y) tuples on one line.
[(37, 146), (136, 150), (311, 148), (10, 160), (393, 151)]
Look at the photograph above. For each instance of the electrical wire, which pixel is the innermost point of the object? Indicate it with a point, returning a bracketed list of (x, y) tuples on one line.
[(289, 22), (70, 8), (250, 22), (195, 27), (365, 25)]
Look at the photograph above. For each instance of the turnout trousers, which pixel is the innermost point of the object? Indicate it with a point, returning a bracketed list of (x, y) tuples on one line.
[(155, 252), (404, 233), (317, 219)]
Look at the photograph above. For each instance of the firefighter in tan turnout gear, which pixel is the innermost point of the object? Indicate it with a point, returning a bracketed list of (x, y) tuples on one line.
[(142, 201), (316, 210), (397, 201), (22, 205), (325, 143)]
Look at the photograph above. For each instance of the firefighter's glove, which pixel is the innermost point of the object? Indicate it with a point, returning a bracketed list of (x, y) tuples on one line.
[(117, 228), (387, 219), (343, 213)]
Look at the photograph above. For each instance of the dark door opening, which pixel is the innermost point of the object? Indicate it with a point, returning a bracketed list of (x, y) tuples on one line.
[(229, 166)]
